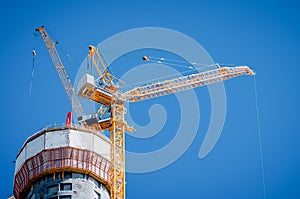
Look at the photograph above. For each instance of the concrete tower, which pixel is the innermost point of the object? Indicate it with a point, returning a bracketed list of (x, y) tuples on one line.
[(62, 163)]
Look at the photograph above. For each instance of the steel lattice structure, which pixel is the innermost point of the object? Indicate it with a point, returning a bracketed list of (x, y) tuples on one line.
[(108, 95)]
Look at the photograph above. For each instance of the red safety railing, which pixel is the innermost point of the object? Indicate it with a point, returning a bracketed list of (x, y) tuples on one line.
[(61, 159)]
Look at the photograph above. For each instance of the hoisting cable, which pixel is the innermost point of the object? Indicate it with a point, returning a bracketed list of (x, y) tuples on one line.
[(184, 64), (162, 60), (175, 61), (32, 71), (171, 64), (190, 68), (162, 78), (260, 140)]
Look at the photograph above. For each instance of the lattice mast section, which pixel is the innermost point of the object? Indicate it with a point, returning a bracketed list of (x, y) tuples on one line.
[(117, 121), (117, 141)]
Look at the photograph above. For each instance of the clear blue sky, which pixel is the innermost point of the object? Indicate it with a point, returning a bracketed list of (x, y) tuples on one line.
[(262, 34)]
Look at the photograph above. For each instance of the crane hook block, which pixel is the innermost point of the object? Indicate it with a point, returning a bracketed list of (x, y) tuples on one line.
[(33, 53), (146, 58)]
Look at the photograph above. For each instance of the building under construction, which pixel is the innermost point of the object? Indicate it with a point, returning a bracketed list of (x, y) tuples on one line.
[(61, 163)]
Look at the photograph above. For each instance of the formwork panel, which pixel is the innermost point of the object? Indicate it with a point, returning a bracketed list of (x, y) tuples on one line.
[(20, 160), (81, 140), (102, 147), (35, 146), (56, 139)]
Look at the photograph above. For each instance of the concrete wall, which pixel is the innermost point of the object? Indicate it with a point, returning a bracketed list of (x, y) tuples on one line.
[(50, 139)]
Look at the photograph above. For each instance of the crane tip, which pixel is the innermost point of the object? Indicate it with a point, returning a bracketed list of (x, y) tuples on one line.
[(250, 71), (253, 73), (40, 28)]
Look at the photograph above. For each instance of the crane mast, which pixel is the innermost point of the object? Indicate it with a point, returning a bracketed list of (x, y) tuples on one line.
[(62, 73), (108, 96)]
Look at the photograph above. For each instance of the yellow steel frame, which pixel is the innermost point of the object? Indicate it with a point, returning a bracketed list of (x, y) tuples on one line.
[(185, 83), (62, 73), (117, 122), (117, 150), (105, 75)]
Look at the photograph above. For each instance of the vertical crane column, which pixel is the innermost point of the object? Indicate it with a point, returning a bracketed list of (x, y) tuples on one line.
[(117, 130)]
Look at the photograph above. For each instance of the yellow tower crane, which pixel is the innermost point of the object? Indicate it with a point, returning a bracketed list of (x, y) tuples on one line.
[(116, 100), (107, 94)]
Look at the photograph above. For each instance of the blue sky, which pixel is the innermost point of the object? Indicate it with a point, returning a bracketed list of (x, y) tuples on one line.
[(261, 34)]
